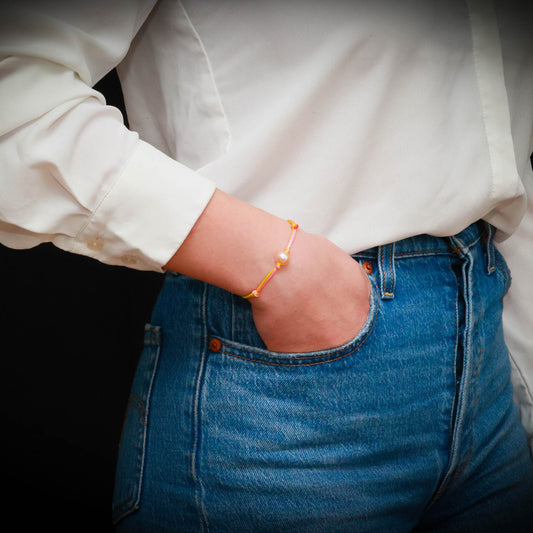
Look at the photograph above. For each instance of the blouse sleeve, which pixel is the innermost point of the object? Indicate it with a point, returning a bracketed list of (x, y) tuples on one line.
[(71, 172)]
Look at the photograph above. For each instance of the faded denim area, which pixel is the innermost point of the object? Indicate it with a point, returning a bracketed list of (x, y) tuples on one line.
[(409, 426)]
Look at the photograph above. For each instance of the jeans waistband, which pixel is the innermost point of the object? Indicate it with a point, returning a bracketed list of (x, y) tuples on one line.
[(422, 245), (430, 244)]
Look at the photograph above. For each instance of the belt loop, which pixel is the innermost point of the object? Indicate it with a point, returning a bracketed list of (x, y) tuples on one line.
[(488, 239), (387, 273)]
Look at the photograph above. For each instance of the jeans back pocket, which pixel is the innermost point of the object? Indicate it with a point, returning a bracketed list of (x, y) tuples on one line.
[(130, 464)]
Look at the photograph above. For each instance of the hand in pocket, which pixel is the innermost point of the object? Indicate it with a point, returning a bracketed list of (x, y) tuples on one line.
[(320, 300)]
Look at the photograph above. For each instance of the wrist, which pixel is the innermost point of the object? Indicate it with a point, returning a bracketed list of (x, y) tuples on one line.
[(311, 256), (281, 260), (232, 245)]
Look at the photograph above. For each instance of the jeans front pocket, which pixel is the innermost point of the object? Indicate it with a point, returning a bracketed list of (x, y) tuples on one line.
[(130, 465), (257, 353)]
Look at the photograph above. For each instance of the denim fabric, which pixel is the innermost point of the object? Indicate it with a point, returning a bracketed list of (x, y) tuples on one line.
[(410, 426)]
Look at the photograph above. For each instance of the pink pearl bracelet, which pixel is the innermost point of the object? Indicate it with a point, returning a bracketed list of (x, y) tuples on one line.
[(281, 259)]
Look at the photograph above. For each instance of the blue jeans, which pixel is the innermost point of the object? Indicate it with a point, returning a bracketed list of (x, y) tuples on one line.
[(408, 427)]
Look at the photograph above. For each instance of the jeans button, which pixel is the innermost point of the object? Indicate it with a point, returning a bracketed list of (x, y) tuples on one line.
[(215, 345), (367, 267)]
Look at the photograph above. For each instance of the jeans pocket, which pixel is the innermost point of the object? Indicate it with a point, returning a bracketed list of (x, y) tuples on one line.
[(258, 354), (130, 464)]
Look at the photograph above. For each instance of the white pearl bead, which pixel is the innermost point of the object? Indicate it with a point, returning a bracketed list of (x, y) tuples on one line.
[(283, 258)]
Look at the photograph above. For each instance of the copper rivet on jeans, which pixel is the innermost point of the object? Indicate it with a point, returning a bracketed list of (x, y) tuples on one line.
[(367, 267), (215, 345)]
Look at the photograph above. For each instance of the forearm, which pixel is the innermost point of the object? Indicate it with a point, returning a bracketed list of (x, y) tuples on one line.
[(318, 300), (232, 245)]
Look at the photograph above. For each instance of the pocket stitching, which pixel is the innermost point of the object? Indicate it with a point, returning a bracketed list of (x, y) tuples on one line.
[(500, 261), (131, 502), (327, 355)]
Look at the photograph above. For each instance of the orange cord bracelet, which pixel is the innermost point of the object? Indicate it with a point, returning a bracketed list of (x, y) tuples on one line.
[(281, 259)]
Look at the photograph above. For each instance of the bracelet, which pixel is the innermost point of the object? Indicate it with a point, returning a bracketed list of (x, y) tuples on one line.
[(281, 259)]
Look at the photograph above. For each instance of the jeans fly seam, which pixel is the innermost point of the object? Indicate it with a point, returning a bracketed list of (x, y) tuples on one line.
[(452, 476), (470, 454), (447, 475), (199, 488), (470, 362)]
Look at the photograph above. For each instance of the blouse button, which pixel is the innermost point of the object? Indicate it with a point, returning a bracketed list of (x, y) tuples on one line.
[(129, 259), (96, 244)]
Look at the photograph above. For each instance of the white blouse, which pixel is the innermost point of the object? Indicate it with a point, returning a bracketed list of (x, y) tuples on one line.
[(366, 122)]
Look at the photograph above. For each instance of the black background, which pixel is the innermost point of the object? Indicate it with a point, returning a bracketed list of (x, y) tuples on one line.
[(72, 333)]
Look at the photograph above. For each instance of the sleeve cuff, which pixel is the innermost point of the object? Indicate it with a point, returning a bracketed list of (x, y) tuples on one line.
[(147, 214)]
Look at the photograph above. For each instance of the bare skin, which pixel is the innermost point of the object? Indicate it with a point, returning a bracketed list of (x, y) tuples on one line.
[(319, 300)]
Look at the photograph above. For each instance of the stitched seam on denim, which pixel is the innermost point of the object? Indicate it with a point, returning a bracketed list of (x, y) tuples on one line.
[(126, 507), (464, 247), (133, 503), (403, 255), (437, 251), (505, 272), (455, 406), (468, 370), (327, 357), (414, 253), (147, 411), (446, 476), (390, 276), (384, 274), (406, 254), (137, 402), (454, 479), (381, 271), (489, 249), (195, 444), (475, 400)]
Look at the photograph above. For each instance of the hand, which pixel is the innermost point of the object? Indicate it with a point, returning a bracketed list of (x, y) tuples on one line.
[(319, 300)]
